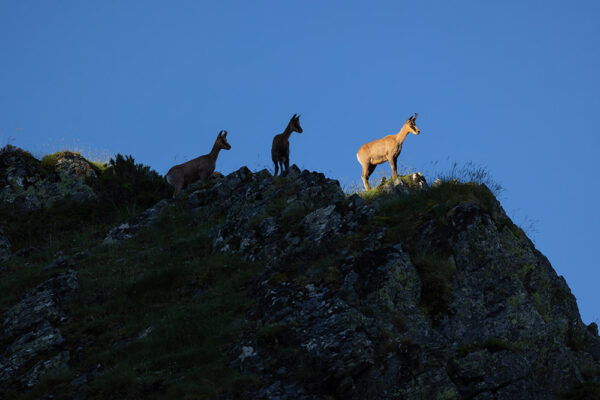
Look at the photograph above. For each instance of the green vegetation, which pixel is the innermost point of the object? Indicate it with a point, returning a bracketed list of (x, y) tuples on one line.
[(160, 318), (593, 328), (124, 182), (156, 312), (406, 216), (471, 173)]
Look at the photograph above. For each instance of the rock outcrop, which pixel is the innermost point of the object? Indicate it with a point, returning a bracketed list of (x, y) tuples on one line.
[(32, 324), (348, 313), (413, 292), (27, 185)]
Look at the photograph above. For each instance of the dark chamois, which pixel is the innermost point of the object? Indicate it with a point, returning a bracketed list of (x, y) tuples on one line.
[(201, 167), (280, 151)]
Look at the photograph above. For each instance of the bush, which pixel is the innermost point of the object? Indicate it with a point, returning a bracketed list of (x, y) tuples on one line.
[(125, 183)]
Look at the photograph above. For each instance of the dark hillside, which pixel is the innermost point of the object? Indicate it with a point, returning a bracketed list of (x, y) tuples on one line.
[(255, 287)]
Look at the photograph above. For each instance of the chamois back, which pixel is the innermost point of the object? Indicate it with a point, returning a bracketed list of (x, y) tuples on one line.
[(385, 149), (199, 168)]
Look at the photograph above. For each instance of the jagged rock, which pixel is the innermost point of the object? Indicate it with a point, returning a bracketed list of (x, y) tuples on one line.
[(321, 222), (368, 334), (30, 322), (18, 168), (403, 183), (54, 365), (41, 339), (42, 303), (352, 303), (74, 165), (27, 186), (255, 212), (60, 262), (130, 229)]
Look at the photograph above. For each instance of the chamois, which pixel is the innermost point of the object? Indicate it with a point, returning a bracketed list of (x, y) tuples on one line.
[(201, 167), (280, 151), (385, 149)]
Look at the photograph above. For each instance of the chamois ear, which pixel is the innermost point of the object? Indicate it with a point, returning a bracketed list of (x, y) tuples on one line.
[(294, 116), (225, 134)]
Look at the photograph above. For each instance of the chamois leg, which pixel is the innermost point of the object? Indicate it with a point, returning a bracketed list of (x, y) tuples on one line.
[(367, 171), (177, 182), (178, 186), (276, 168), (287, 165), (393, 163)]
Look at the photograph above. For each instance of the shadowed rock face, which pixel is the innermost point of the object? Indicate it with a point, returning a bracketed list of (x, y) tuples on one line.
[(354, 305), (32, 325), (507, 330)]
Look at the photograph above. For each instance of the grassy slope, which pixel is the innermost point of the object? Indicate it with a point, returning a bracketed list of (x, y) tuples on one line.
[(165, 280)]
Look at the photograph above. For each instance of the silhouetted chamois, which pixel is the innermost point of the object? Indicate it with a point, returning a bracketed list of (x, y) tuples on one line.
[(201, 167), (385, 149), (280, 151)]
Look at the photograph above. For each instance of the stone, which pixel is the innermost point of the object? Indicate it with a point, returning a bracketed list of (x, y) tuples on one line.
[(27, 186), (42, 303), (40, 339), (53, 365), (131, 228)]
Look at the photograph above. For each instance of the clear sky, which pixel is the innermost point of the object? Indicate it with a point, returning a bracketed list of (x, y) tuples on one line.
[(512, 85)]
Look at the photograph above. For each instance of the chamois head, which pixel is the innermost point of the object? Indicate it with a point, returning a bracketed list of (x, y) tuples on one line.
[(222, 141), (295, 124), (412, 126)]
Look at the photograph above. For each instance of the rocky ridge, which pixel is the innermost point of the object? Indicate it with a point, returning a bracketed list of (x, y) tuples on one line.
[(510, 330), (359, 299)]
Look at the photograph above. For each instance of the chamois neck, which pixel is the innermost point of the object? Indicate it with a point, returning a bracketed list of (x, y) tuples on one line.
[(288, 131), (214, 153), (403, 133)]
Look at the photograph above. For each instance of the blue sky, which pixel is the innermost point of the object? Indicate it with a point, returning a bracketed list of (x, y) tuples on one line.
[(512, 85)]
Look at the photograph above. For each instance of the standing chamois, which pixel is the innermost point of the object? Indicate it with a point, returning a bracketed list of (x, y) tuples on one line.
[(202, 167), (385, 149), (280, 151)]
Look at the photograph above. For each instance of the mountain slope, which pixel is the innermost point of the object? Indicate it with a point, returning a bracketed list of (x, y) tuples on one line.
[(253, 287)]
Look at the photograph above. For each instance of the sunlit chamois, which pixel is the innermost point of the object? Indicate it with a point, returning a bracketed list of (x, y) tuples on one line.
[(385, 149), (280, 151), (201, 167)]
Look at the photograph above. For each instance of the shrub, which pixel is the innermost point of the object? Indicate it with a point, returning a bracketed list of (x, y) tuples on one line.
[(593, 328), (125, 183)]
